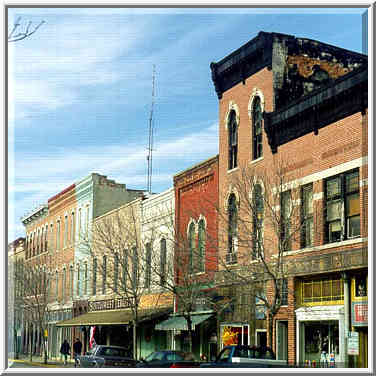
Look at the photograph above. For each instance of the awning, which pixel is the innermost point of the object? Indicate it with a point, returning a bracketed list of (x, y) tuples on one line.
[(180, 323), (113, 317)]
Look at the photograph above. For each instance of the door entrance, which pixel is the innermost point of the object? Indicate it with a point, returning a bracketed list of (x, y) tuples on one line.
[(282, 344)]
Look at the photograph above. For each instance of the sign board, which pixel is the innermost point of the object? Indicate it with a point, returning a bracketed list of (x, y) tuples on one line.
[(353, 343), (359, 313)]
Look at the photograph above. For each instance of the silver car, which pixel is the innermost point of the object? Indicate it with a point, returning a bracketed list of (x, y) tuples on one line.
[(106, 356)]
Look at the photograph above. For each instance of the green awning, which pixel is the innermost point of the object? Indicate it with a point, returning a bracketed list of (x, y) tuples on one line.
[(180, 323), (113, 317)]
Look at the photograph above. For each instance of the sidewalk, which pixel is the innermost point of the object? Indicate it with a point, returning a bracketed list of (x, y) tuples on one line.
[(38, 362)]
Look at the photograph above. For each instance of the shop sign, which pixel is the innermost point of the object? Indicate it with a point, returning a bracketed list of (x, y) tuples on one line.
[(359, 313), (353, 343)]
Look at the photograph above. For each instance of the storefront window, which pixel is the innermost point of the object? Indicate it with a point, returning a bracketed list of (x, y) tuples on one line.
[(234, 335), (360, 286), (321, 337)]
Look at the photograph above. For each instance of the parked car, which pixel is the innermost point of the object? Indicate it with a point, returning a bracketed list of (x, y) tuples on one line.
[(106, 356), (246, 356), (169, 359)]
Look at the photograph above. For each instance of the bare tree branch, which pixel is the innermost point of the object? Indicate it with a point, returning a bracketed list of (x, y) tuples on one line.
[(12, 37)]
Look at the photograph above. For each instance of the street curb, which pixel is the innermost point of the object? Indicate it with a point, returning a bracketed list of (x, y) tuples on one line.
[(38, 364)]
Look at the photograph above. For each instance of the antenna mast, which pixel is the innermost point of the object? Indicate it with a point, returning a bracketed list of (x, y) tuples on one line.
[(150, 148)]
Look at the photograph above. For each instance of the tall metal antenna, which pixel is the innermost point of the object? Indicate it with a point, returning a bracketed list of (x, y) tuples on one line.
[(150, 148)]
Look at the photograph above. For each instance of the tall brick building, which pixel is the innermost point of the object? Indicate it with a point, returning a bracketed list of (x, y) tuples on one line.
[(303, 102)]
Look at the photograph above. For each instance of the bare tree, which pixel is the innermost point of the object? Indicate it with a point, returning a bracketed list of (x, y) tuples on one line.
[(116, 245), (17, 33), (32, 295), (262, 220), (176, 263)]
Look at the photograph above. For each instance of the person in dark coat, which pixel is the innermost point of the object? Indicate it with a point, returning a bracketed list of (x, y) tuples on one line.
[(65, 350), (77, 348)]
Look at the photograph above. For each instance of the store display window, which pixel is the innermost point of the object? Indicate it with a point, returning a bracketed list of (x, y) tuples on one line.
[(321, 339)]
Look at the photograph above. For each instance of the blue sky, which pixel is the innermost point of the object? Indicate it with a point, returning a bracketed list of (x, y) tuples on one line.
[(80, 90)]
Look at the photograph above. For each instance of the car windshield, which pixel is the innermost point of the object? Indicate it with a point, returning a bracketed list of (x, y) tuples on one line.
[(243, 352), (175, 356), (114, 351), (154, 357)]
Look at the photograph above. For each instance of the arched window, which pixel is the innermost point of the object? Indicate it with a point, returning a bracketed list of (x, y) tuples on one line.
[(64, 282), (232, 230), (257, 128), (104, 274), (135, 267), (57, 285), (163, 261), (257, 221), (192, 246), (148, 265), (94, 286), (232, 141), (201, 246), (116, 271)]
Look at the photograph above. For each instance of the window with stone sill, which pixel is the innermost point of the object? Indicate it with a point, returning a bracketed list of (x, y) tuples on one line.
[(232, 141), (257, 128), (306, 236), (342, 208), (231, 257)]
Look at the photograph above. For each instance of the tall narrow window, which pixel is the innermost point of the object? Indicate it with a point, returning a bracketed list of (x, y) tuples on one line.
[(63, 283), (58, 235), (258, 221), (232, 141), (65, 231), (57, 285), (257, 128), (286, 208), (201, 246), (78, 280), (307, 216), (116, 272), (148, 265), (192, 246), (125, 270), (38, 240), (104, 274), (163, 256), (72, 232), (231, 257), (52, 235), (46, 238), (86, 278), (79, 222), (87, 218), (342, 207), (71, 276), (284, 291), (94, 287), (134, 267)]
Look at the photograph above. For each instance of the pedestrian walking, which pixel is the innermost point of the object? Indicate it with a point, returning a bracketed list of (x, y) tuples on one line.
[(77, 348), (65, 350)]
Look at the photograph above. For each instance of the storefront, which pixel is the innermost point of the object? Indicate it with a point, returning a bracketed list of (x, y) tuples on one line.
[(320, 335), (204, 339), (359, 316)]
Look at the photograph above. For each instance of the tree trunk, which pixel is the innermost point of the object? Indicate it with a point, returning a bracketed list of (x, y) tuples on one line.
[(270, 330), (134, 339), (31, 342), (189, 324), (44, 346)]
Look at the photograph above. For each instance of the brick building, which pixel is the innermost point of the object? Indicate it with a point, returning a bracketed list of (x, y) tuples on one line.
[(54, 234), (303, 103), (195, 231)]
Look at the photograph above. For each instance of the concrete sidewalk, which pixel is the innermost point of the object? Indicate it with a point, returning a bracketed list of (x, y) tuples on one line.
[(38, 362)]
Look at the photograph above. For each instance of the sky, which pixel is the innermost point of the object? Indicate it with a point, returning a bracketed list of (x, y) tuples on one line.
[(80, 90)]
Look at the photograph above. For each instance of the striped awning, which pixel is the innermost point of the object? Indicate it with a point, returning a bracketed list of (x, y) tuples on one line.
[(180, 323), (113, 317)]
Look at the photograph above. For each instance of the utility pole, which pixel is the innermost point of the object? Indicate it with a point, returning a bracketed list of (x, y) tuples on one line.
[(150, 148)]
